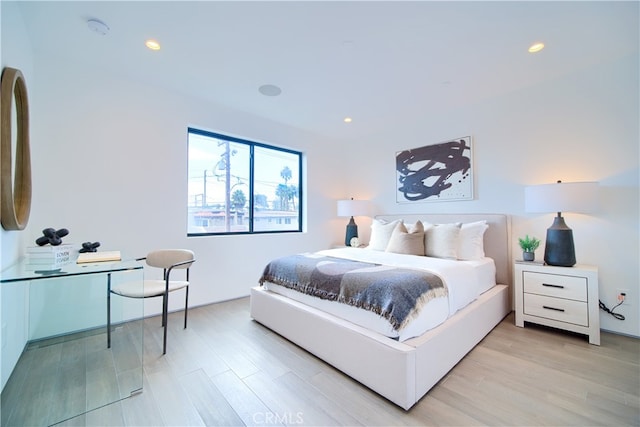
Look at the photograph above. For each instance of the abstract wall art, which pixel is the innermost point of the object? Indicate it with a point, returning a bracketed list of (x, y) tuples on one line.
[(436, 172)]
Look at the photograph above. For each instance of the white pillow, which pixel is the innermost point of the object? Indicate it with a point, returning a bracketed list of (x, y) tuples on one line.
[(441, 240), (471, 240), (381, 233), (407, 242)]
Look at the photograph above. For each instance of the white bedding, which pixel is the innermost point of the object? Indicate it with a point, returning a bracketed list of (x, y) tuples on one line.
[(465, 281)]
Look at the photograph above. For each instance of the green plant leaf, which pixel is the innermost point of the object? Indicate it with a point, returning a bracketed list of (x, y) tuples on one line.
[(528, 244)]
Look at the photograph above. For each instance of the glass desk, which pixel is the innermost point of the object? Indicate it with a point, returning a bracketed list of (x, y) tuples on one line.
[(68, 367)]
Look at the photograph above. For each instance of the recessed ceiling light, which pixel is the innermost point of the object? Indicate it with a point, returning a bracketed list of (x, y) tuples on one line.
[(152, 44), (270, 90), (347, 120), (98, 26), (536, 47)]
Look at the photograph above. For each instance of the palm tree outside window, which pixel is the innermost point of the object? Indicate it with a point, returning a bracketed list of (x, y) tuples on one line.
[(240, 186)]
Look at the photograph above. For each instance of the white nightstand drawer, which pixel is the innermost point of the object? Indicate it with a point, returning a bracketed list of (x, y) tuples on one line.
[(554, 285), (563, 310), (561, 297)]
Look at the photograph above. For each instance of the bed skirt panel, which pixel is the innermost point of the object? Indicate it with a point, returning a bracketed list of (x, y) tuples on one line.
[(380, 363), (401, 372), (440, 349)]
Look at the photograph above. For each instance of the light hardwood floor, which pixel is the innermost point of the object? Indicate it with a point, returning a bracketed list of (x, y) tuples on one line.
[(226, 369)]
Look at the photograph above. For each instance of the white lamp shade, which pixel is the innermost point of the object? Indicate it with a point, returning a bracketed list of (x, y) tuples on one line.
[(578, 197), (353, 208)]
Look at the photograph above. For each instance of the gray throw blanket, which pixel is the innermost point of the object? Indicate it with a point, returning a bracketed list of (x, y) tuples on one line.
[(397, 294)]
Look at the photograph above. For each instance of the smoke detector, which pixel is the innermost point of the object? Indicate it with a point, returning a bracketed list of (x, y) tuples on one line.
[(98, 26)]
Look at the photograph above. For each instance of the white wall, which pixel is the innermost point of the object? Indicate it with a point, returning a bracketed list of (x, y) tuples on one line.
[(580, 127), (110, 164), (16, 53)]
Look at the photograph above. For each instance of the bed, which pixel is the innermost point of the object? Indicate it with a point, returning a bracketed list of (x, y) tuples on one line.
[(401, 366)]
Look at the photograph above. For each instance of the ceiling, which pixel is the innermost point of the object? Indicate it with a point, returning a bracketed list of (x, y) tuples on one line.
[(384, 64)]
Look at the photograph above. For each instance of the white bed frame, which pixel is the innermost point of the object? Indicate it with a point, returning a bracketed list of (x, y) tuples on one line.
[(402, 372)]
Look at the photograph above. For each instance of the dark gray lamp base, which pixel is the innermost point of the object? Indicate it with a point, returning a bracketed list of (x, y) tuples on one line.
[(559, 249), (352, 231)]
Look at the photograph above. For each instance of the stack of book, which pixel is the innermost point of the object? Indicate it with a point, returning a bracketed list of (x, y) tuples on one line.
[(49, 257), (98, 256)]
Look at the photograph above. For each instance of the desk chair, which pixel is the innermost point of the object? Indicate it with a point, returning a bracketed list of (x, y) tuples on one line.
[(168, 260)]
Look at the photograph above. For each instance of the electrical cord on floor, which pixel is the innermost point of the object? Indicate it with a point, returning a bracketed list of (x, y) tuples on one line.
[(616, 315)]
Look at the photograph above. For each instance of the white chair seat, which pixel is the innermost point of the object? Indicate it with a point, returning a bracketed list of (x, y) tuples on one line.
[(151, 288), (168, 260)]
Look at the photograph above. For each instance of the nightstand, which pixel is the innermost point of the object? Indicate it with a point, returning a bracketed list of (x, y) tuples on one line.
[(560, 297)]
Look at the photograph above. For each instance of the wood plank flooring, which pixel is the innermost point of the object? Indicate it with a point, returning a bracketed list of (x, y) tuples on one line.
[(77, 372), (226, 369)]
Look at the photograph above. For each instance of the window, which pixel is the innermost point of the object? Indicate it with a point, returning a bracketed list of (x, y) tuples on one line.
[(239, 186)]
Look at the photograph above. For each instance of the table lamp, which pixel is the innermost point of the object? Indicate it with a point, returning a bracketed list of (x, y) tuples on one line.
[(579, 197), (351, 208)]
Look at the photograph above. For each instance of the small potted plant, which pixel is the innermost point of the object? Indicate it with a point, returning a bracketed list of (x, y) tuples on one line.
[(528, 246)]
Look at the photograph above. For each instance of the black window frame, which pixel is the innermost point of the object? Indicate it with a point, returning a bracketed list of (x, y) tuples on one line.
[(252, 145)]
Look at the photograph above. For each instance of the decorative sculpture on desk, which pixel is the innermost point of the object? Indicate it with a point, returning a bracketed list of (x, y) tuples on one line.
[(89, 247), (52, 236)]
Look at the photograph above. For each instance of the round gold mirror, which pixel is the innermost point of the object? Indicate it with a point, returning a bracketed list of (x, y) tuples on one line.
[(15, 153)]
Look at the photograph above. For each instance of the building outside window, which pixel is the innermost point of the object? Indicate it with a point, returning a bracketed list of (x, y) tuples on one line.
[(240, 186)]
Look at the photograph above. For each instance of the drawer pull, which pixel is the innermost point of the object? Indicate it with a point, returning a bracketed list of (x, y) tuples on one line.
[(553, 308), (549, 285)]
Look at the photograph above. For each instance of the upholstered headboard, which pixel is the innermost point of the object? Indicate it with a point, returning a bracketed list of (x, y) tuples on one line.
[(496, 238)]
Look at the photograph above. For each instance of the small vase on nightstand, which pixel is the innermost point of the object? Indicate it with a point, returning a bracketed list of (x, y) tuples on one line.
[(528, 256)]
